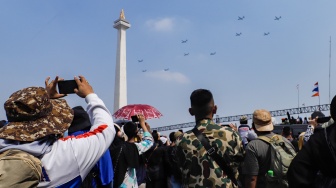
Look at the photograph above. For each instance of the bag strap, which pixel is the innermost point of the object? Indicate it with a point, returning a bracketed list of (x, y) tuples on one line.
[(268, 139), (212, 152), (147, 159), (277, 139), (265, 138), (115, 167)]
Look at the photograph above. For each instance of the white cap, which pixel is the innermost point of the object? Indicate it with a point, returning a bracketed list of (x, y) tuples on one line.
[(163, 140)]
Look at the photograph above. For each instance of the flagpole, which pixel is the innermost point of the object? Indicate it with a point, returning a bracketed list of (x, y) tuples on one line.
[(319, 103), (329, 66), (298, 88), (319, 98)]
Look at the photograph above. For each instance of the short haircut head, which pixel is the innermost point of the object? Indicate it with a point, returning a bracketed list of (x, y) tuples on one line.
[(155, 136), (130, 129), (317, 114), (172, 137), (243, 120), (286, 131), (201, 101)]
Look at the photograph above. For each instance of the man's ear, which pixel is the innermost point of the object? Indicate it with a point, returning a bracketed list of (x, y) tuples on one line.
[(191, 112), (214, 109)]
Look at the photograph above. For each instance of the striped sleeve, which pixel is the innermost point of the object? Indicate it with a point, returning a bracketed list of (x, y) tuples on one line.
[(146, 143)]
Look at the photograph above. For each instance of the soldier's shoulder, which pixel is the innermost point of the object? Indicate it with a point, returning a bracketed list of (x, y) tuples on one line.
[(187, 136), (226, 129)]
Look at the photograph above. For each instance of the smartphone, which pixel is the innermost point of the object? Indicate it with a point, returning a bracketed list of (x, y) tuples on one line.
[(134, 119), (67, 86), (323, 119)]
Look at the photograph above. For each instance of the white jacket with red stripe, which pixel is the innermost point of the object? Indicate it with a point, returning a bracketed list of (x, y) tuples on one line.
[(71, 158)]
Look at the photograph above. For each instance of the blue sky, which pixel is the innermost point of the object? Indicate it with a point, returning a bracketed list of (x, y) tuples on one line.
[(67, 38)]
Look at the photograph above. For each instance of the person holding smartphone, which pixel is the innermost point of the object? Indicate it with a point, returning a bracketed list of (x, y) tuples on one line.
[(126, 157), (315, 124), (46, 116), (315, 164)]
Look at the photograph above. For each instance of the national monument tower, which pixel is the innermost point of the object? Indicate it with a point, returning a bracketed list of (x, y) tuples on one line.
[(120, 87)]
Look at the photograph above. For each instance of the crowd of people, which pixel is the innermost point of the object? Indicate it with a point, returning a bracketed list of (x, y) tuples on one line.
[(298, 120), (46, 143)]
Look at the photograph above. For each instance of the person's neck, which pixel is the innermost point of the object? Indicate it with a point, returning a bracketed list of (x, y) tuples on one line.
[(131, 140), (289, 137), (263, 133), (209, 117)]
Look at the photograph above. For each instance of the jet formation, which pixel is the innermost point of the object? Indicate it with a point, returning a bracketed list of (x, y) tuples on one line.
[(277, 18), (265, 34)]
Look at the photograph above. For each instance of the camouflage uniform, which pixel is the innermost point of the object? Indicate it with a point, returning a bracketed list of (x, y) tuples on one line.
[(198, 168)]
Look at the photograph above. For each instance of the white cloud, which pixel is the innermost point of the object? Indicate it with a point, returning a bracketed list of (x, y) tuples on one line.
[(163, 24), (169, 76)]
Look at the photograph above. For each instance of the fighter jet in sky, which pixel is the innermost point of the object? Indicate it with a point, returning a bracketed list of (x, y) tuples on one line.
[(185, 54), (140, 60), (238, 34), (213, 53), (241, 18), (144, 70), (185, 41), (265, 34), (277, 18), (166, 69)]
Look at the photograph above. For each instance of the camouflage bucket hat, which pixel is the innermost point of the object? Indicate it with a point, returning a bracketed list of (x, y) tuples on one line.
[(32, 115)]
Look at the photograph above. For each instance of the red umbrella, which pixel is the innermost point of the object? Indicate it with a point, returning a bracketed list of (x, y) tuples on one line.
[(132, 109)]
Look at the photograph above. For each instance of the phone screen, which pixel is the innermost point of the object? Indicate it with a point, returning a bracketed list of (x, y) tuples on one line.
[(67, 86), (134, 119)]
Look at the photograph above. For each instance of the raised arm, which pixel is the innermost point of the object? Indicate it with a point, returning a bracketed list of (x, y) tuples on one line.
[(89, 147), (147, 139)]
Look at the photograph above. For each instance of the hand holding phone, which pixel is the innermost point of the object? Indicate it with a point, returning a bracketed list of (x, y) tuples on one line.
[(139, 118), (51, 88), (84, 88), (135, 119), (323, 119)]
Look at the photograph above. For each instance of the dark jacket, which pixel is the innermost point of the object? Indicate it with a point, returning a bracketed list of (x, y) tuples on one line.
[(172, 164), (315, 157), (155, 159), (124, 156)]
